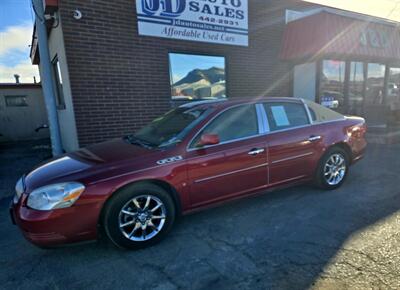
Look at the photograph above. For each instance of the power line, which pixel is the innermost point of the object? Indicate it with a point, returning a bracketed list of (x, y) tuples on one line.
[(393, 9)]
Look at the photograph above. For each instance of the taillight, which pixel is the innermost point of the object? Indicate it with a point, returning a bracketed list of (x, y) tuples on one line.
[(357, 131)]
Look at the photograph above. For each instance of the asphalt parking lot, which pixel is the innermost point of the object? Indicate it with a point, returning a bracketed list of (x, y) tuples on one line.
[(296, 238)]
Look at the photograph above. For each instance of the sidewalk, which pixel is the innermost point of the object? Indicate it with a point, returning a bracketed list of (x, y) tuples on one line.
[(388, 136)]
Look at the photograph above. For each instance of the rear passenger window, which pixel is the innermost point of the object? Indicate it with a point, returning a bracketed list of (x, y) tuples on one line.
[(285, 115)]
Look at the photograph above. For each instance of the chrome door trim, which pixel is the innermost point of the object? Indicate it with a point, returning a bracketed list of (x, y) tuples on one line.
[(308, 112), (188, 148), (304, 126), (292, 157), (262, 118), (229, 173), (181, 161), (310, 123), (223, 143), (256, 151), (289, 129), (264, 114)]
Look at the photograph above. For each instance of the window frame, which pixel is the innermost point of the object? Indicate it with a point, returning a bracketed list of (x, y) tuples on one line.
[(384, 79), (301, 104), (26, 104), (350, 85), (344, 83), (261, 128), (263, 123), (197, 53), (56, 70), (347, 80)]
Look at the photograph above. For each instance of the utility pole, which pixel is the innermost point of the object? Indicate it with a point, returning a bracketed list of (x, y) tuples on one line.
[(47, 78)]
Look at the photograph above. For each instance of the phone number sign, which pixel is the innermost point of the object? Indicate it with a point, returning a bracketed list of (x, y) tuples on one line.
[(214, 21)]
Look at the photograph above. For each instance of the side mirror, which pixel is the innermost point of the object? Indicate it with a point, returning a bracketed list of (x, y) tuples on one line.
[(208, 139)]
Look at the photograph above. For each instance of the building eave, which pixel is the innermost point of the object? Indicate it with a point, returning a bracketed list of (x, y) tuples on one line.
[(34, 52), (20, 86), (50, 7), (351, 14)]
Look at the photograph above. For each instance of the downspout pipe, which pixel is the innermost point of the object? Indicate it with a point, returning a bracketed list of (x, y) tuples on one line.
[(47, 78)]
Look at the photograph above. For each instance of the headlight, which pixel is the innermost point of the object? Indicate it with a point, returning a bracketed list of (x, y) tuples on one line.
[(55, 196), (19, 189)]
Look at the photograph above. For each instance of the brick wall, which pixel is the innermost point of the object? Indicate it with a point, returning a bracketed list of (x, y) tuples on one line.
[(120, 81)]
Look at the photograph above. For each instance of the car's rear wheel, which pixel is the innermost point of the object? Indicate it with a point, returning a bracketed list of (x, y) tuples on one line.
[(332, 169), (138, 216)]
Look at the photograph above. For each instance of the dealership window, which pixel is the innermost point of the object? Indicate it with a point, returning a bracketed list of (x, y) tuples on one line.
[(375, 84), (58, 84), (332, 84), (16, 101), (393, 86), (356, 87), (194, 77), (285, 115)]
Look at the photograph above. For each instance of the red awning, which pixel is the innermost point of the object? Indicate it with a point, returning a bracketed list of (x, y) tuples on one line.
[(327, 33), (50, 6)]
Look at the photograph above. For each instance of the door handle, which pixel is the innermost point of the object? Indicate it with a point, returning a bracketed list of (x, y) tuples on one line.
[(256, 151), (314, 138)]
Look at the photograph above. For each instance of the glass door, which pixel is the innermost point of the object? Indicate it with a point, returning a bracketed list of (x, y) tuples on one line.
[(393, 95), (374, 105), (332, 85), (356, 88)]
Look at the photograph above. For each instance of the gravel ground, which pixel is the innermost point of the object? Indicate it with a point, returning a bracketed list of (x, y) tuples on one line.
[(297, 238)]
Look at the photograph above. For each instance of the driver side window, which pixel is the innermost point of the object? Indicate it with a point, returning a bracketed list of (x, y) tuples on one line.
[(236, 123)]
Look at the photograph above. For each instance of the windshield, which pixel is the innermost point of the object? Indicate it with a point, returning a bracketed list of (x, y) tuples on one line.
[(172, 127)]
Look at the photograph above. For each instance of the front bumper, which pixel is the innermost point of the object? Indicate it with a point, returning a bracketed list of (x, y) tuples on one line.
[(358, 148), (50, 228)]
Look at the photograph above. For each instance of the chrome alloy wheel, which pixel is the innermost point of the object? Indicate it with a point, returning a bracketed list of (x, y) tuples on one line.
[(141, 218), (335, 169)]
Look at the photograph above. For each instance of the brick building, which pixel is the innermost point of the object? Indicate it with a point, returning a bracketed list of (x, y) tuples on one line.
[(114, 71)]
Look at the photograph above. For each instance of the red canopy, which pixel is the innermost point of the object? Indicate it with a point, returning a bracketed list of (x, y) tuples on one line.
[(326, 33)]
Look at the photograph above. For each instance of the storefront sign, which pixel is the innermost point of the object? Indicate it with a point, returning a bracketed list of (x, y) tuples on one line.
[(215, 21), (329, 102), (374, 38)]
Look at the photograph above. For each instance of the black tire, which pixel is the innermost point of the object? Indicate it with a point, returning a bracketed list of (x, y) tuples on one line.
[(320, 179), (112, 215)]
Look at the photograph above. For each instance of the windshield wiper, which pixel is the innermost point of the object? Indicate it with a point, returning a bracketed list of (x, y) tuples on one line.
[(169, 143), (135, 140)]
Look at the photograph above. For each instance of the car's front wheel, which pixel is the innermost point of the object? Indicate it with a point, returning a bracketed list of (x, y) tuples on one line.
[(138, 216), (332, 169)]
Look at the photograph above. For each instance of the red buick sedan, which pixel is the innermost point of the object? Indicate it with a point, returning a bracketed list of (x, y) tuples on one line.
[(194, 156)]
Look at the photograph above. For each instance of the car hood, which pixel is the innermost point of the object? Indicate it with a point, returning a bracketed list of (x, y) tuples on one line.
[(81, 164)]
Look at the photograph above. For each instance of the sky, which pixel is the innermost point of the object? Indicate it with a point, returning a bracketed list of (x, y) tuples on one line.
[(381, 8), (16, 22)]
